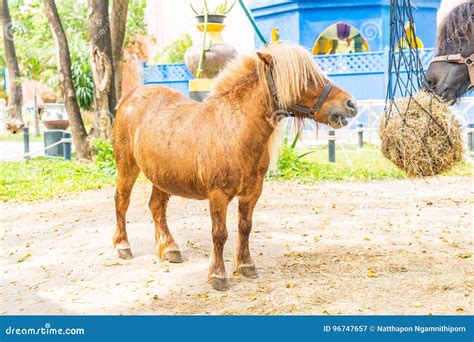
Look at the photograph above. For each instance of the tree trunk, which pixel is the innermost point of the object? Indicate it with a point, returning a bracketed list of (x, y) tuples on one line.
[(118, 24), (81, 140), (14, 121), (102, 67)]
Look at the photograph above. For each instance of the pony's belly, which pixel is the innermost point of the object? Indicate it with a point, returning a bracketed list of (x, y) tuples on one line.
[(178, 189), (174, 182)]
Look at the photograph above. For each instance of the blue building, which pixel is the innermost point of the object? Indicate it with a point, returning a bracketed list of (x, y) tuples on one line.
[(349, 38), (308, 21)]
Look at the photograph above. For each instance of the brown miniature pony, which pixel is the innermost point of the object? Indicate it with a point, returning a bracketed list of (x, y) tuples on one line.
[(217, 149)]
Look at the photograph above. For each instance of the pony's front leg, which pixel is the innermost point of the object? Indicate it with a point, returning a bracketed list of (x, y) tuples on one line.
[(218, 203), (243, 261), (166, 247)]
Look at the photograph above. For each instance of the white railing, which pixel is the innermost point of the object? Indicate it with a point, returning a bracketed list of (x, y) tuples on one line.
[(369, 115)]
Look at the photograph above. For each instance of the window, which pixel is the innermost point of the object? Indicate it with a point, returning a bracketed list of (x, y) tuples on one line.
[(340, 38)]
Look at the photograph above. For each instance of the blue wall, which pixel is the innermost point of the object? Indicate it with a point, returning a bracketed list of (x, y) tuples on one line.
[(364, 75), (302, 21)]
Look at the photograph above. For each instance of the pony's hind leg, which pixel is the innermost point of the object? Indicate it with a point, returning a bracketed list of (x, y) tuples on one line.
[(218, 203), (243, 261), (125, 181), (166, 247)]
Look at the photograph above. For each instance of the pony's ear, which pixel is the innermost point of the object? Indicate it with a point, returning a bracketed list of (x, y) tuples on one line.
[(265, 58)]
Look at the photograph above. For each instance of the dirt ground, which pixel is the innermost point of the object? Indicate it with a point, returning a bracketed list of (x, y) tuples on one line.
[(391, 247)]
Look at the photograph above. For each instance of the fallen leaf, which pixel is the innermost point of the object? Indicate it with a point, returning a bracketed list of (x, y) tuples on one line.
[(201, 295), (372, 273), (24, 258), (293, 254), (464, 255)]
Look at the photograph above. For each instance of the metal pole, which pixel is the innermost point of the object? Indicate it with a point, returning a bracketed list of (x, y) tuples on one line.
[(67, 140), (360, 133), (332, 146), (470, 137), (36, 113), (252, 22), (369, 121), (26, 143)]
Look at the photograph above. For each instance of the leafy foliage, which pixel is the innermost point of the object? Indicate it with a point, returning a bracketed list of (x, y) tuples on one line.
[(35, 46), (174, 53), (82, 78), (135, 19), (222, 8), (367, 164), (104, 156), (293, 167), (43, 178)]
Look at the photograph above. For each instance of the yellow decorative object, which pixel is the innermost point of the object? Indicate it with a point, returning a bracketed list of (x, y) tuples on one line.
[(214, 30), (412, 41), (200, 84), (275, 35)]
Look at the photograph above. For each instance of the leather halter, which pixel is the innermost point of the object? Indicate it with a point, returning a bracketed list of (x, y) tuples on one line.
[(297, 110), (458, 59)]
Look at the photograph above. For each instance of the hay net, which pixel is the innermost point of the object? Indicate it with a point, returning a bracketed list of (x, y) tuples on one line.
[(418, 133), (405, 68)]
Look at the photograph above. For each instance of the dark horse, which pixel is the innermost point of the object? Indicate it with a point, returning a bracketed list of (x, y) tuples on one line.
[(451, 73), (217, 149)]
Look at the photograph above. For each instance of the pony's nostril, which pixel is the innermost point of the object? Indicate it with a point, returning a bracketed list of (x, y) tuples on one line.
[(352, 105), (429, 83)]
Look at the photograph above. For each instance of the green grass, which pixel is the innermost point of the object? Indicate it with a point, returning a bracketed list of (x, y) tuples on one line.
[(367, 164), (19, 137), (45, 178)]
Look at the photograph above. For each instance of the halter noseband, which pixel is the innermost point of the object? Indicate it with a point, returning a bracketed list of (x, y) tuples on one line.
[(297, 110), (458, 59)]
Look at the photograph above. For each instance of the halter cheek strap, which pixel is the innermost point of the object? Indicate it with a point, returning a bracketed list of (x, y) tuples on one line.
[(297, 110), (458, 59)]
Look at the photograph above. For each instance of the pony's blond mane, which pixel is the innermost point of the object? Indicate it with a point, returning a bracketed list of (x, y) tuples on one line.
[(294, 70)]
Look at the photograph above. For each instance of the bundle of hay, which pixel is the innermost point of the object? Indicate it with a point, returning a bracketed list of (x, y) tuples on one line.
[(423, 138)]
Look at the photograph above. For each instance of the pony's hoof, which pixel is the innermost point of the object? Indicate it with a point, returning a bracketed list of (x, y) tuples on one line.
[(173, 256), (249, 271), (125, 253), (219, 283)]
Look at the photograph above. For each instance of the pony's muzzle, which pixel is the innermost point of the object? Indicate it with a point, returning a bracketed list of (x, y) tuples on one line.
[(351, 109)]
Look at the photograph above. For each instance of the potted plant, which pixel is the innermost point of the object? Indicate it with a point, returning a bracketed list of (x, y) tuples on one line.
[(216, 16), (206, 60)]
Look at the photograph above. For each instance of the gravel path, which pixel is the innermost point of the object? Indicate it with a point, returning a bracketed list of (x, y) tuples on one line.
[(391, 247)]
